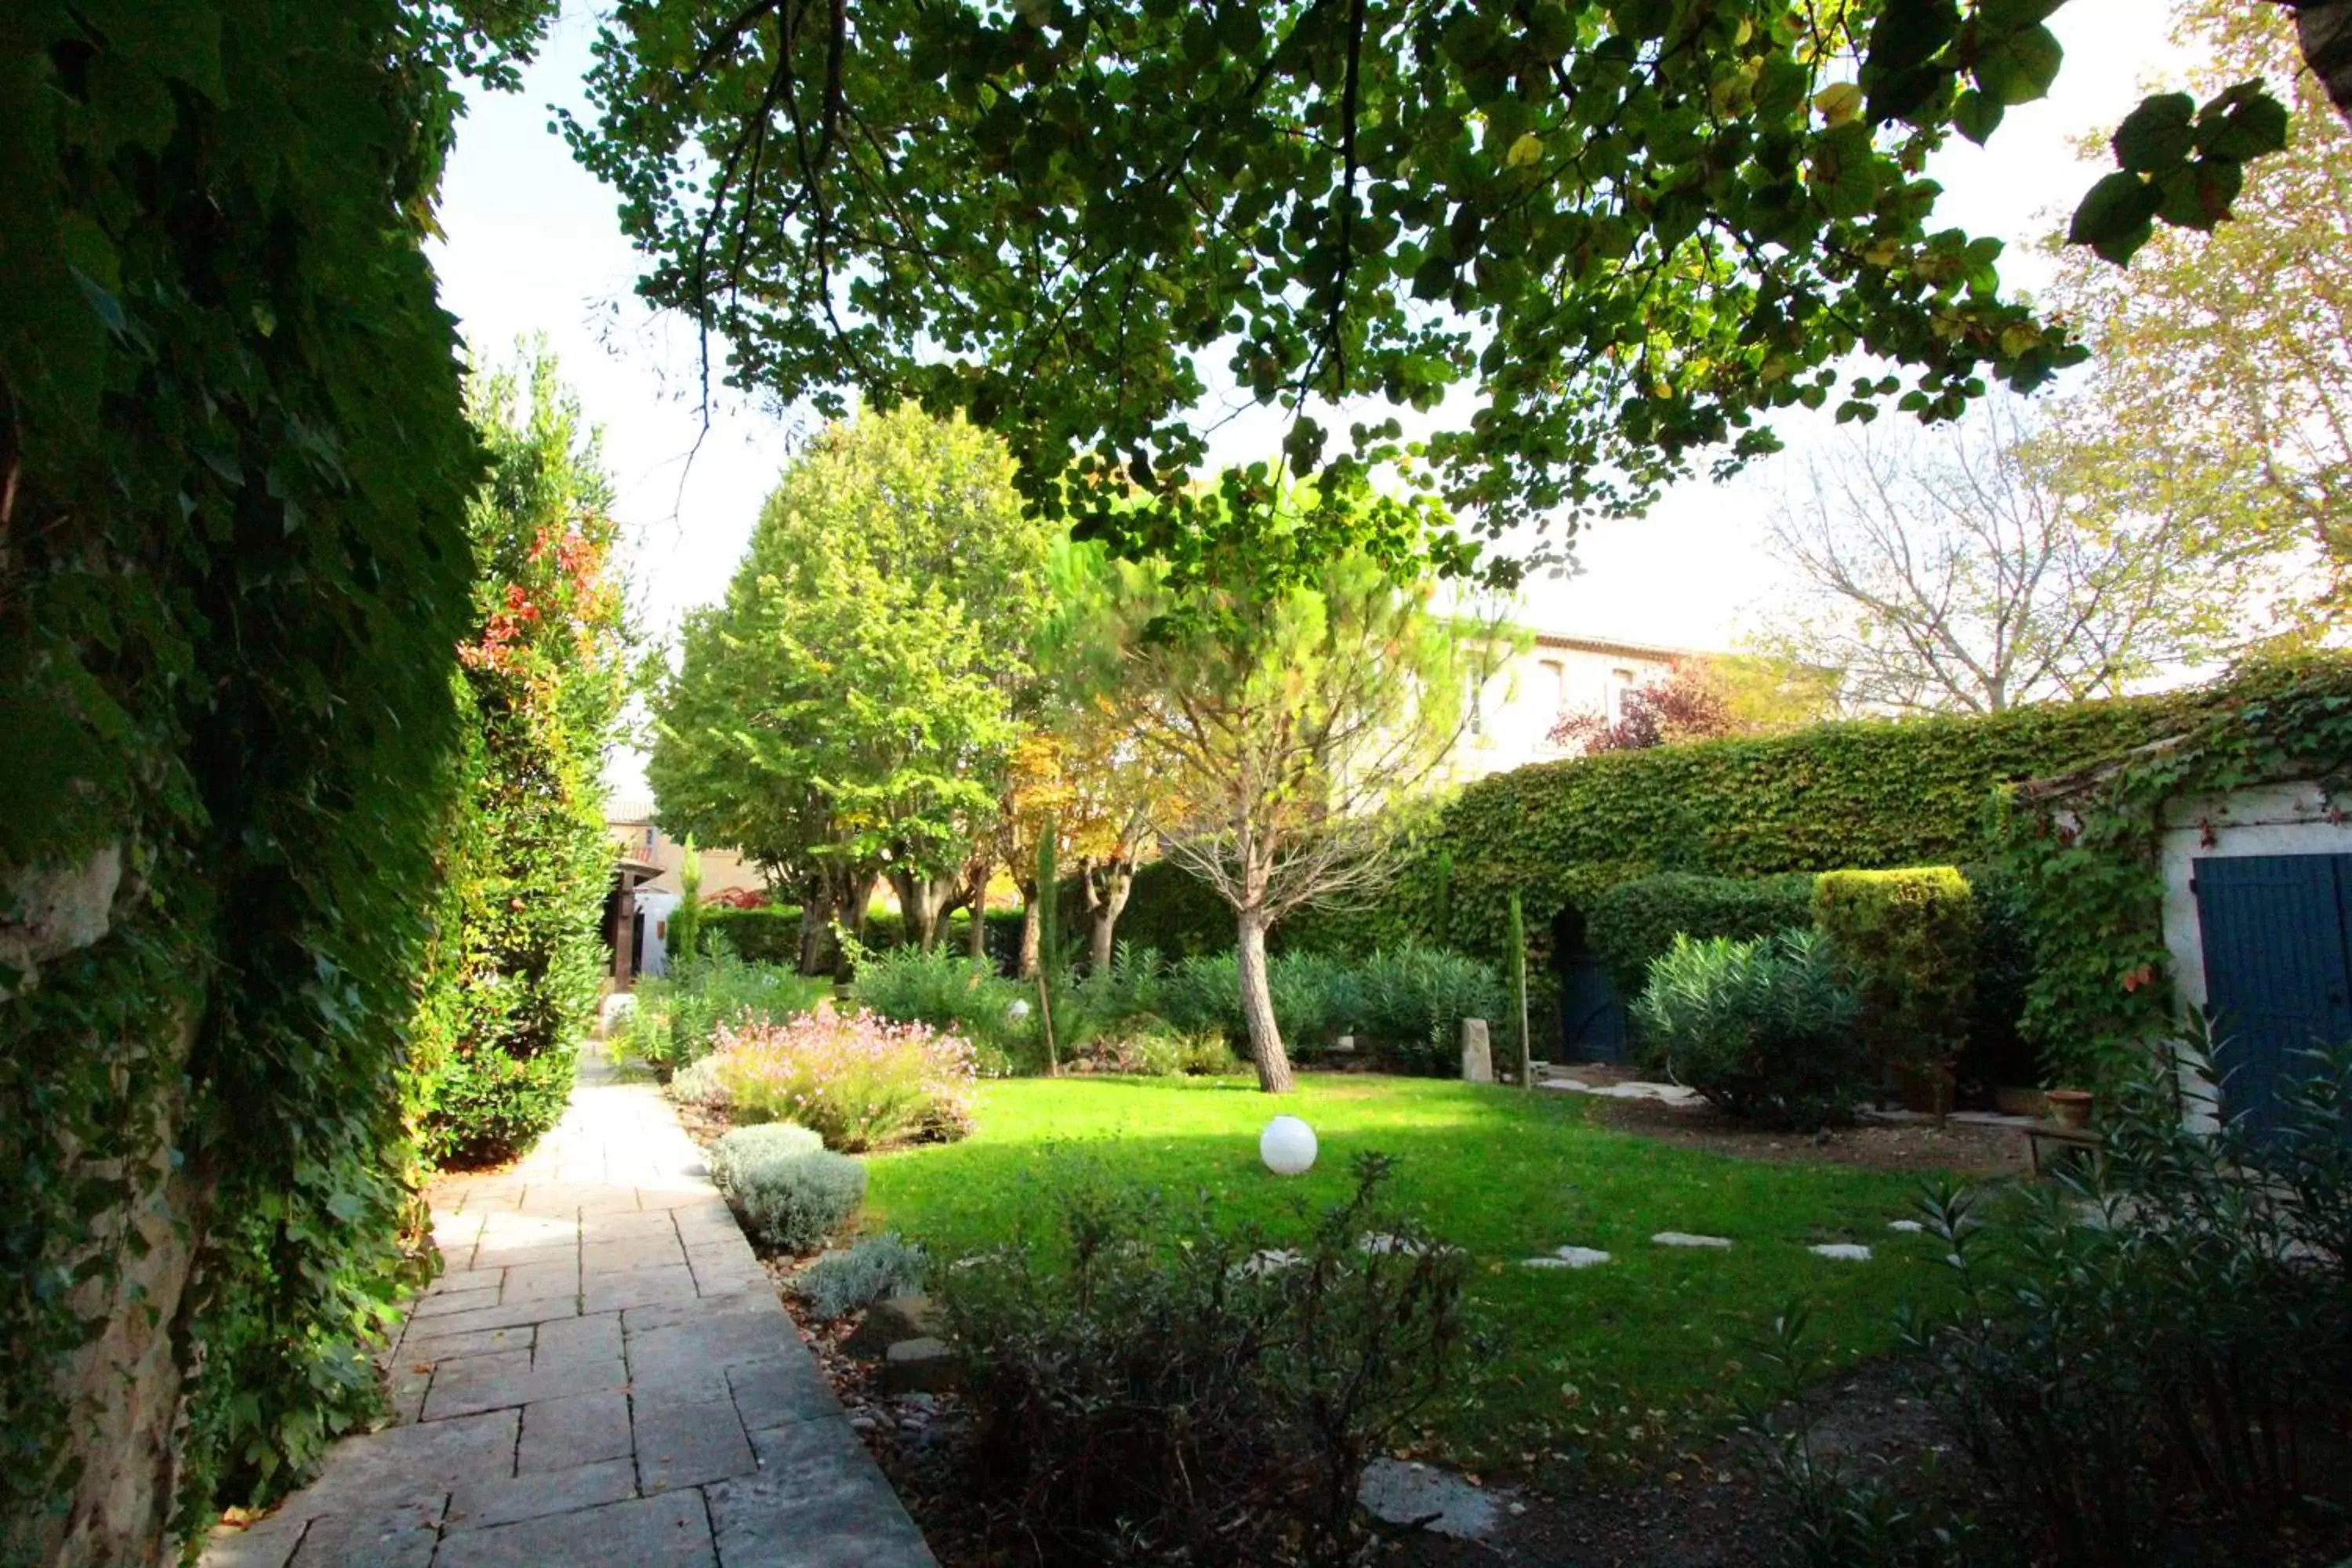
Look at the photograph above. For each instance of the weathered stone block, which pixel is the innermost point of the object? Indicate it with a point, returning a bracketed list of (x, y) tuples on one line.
[(1477, 1056)]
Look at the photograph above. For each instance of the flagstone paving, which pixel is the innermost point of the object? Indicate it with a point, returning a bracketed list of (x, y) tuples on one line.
[(602, 1374)]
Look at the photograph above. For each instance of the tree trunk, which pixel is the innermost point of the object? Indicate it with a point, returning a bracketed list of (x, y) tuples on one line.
[(922, 903), (2324, 28), (816, 931), (1104, 900), (1028, 958), (975, 939), (1257, 1007)]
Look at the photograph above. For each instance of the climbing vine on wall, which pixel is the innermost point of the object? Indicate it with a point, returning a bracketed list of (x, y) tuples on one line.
[(2087, 854), (233, 574)]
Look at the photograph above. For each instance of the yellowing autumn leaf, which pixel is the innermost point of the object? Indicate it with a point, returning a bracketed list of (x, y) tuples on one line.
[(1839, 102), (1525, 151)]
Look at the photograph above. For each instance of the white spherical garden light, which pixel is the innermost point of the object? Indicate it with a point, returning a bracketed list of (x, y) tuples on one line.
[(1287, 1146)]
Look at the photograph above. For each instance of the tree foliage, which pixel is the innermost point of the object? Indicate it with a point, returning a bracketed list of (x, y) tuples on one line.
[(848, 713), (1286, 718), (1616, 232), (1986, 564), (529, 861), (2223, 386)]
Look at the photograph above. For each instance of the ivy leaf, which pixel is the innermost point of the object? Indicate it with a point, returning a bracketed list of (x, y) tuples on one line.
[(2115, 217), (1839, 102)]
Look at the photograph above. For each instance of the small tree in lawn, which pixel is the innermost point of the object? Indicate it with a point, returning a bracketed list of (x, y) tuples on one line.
[(1283, 718)]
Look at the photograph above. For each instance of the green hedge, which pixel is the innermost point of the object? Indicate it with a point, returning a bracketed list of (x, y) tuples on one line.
[(2086, 858), (1633, 923), (769, 934), (1909, 939), (1869, 793), (1859, 793)]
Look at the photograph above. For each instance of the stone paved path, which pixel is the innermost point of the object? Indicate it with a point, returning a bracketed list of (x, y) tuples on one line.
[(603, 1375)]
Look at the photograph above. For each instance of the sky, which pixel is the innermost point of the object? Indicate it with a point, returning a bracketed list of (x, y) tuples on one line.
[(532, 247)]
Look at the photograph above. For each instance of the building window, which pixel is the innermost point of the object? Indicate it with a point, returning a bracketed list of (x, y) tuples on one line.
[(1556, 685), (1620, 682)]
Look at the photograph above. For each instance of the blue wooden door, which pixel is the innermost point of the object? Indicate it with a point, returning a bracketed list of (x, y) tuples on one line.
[(2277, 933), (1592, 1014)]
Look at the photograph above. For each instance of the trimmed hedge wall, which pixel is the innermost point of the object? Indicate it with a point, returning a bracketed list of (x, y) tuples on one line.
[(1865, 794), (1635, 922)]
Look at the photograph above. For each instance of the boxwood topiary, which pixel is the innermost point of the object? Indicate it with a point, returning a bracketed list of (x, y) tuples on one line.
[(1907, 940)]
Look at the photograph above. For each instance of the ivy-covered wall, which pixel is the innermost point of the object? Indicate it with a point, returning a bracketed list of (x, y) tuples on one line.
[(232, 573), (2086, 856), (1864, 794)]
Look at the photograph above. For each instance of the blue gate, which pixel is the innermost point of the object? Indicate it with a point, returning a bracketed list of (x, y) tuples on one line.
[(2277, 935)]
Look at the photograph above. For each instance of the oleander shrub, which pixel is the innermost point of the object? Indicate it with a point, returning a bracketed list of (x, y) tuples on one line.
[(849, 1279), (1313, 996), (1409, 1003), (791, 1202), (954, 995), (1145, 1047), (2165, 1330), (1147, 1383), (857, 1079), (675, 1018), (743, 1146), (1631, 924), (1907, 941), (1766, 1030)]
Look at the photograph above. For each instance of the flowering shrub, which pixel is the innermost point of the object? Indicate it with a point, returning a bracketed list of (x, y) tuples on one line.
[(858, 1080)]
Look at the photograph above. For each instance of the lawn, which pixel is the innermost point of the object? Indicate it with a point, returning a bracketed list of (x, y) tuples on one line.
[(1590, 1356)]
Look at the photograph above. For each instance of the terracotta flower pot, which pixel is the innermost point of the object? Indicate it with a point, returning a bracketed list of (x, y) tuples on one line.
[(2070, 1106)]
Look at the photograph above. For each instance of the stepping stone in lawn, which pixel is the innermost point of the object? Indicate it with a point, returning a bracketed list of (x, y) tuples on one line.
[(1907, 1227), (1375, 1241), (1571, 1257), (1400, 1492), (1271, 1260), (1844, 1251), (1685, 1238)]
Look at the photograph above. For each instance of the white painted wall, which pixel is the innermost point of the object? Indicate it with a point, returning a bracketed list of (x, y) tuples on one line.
[(2294, 818), (1521, 701), (656, 907)]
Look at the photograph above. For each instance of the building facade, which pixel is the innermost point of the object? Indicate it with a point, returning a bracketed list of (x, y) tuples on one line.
[(1512, 714)]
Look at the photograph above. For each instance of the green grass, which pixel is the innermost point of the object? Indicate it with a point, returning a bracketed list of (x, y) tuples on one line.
[(1640, 1352)]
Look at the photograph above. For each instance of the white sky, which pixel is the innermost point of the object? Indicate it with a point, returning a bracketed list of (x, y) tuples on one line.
[(533, 246)]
